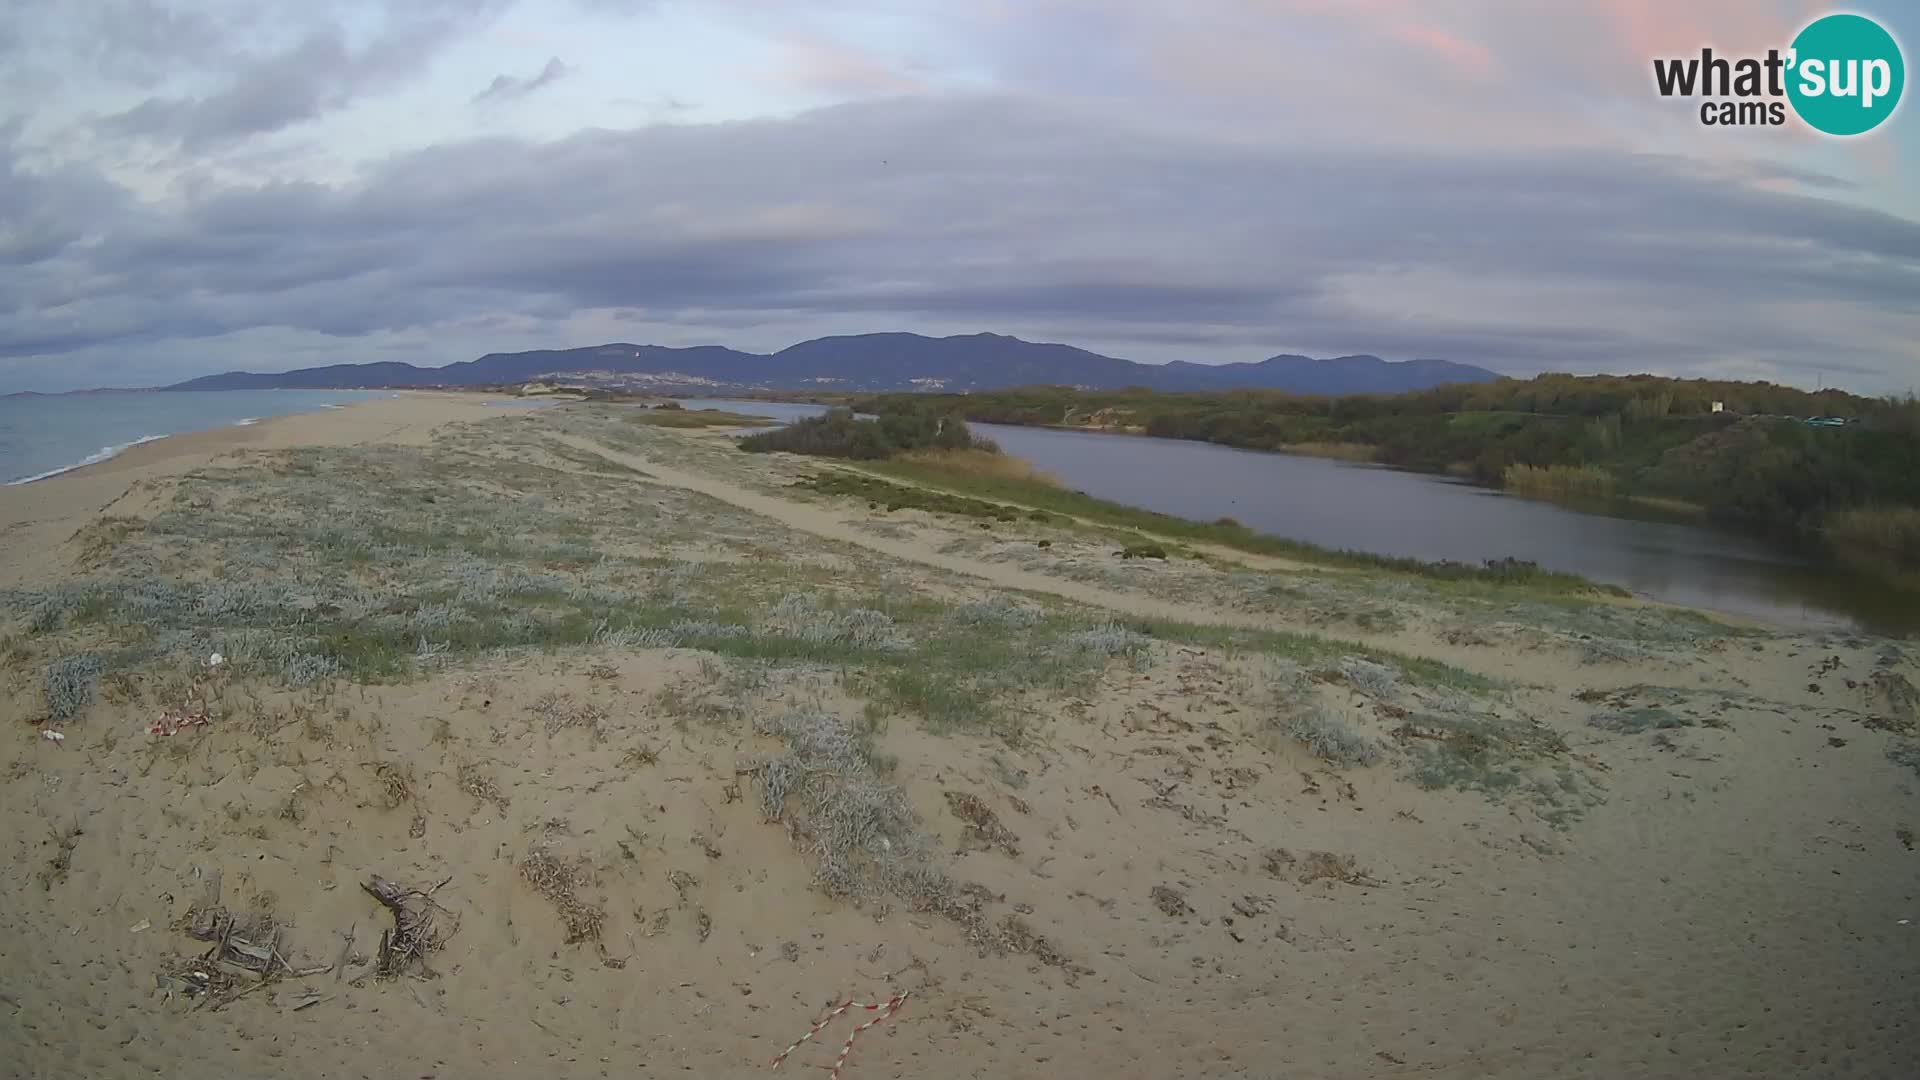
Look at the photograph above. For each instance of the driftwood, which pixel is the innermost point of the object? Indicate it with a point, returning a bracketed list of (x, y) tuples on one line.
[(243, 952), (416, 931)]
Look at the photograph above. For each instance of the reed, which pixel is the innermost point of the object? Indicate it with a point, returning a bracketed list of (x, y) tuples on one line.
[(1559, 481)]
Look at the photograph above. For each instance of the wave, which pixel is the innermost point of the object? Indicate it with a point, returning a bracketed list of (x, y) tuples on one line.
[(246, 422), (94, 458)]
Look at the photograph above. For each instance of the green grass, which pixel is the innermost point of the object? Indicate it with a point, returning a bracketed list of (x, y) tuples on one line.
[(384, 564), (1311, 651), (1498, 758), (695, 418), (381, 565), (882, 494), (1036, 494), (1643, 718)]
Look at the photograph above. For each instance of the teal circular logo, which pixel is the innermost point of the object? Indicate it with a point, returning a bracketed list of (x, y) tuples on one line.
[(1845, 74)]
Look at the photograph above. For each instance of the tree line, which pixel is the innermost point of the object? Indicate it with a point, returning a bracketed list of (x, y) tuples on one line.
[(1755, 463)]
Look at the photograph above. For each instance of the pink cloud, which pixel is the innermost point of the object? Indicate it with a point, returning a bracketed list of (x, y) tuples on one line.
[(1649, 28), (832, 67), (1467, 57), (1407, 22)]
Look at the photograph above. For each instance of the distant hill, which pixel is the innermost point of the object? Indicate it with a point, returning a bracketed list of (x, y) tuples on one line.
[(871, 362)]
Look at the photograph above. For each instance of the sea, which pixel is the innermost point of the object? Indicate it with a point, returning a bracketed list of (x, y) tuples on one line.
[(46, 435)]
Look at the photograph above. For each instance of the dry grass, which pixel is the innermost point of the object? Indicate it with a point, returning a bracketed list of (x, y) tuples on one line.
[(1559, 481), (983, 825), (474, 781), (1897, 693), (559, 712), (64, 841), (980, 464), (1676, 507), (100, 538), (561, 882), (1328, 737), (1313, 866), (1171, 902), (396, 783), (14, 652), (1886, 538), (865, 840)]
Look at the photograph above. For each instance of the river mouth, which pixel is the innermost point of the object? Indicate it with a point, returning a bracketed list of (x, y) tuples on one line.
[(1654, 553)]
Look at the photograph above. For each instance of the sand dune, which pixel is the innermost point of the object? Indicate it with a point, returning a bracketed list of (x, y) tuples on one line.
[(754, 750)]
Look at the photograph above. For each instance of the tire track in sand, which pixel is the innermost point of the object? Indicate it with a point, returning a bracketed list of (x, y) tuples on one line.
[(818, 522)]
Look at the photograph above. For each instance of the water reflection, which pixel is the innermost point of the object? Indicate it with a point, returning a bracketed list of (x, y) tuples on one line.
[(1371, 508)]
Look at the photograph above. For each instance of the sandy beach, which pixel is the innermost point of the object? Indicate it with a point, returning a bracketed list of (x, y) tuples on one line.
[(667, 757), (33, 515)]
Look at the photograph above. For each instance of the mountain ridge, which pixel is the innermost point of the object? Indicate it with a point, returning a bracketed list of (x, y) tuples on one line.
[(870, 362)]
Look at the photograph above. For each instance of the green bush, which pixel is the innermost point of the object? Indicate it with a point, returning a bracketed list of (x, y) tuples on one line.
[(69, 683), (838, 433), (1328, 737)]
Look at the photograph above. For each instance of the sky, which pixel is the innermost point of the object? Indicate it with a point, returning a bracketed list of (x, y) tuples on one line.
[(191, 186)]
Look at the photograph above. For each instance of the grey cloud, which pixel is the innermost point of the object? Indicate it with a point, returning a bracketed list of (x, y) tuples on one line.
[(320, 72), (998, 214), (620, 7), (135, 41), (512, 88)]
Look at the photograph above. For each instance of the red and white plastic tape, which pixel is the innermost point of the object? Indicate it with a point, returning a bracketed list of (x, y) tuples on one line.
[(886, 1009), (171, 723)]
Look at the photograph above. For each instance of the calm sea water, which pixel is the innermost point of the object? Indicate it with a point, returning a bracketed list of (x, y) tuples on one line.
[(46, 436), (1388, 512)]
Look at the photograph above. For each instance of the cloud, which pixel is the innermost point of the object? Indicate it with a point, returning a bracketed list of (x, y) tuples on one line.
[(1001, 213), (1485, 180), (321, 70), (510, 88), (812, 63)]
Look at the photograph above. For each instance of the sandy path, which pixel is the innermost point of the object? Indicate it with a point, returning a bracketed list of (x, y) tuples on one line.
[(1529, 667), (821, 523), (1516, 666)]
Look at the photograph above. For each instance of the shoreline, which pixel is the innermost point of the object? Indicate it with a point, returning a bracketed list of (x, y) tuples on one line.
[(104, 454), (114, 450), (237, 432), (41, 515)]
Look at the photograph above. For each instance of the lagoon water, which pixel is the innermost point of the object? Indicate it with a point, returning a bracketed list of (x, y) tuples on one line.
[(1390, 512)]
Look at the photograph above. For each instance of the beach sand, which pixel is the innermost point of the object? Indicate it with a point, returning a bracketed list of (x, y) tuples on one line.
[(1596, 839), (36, 518)]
